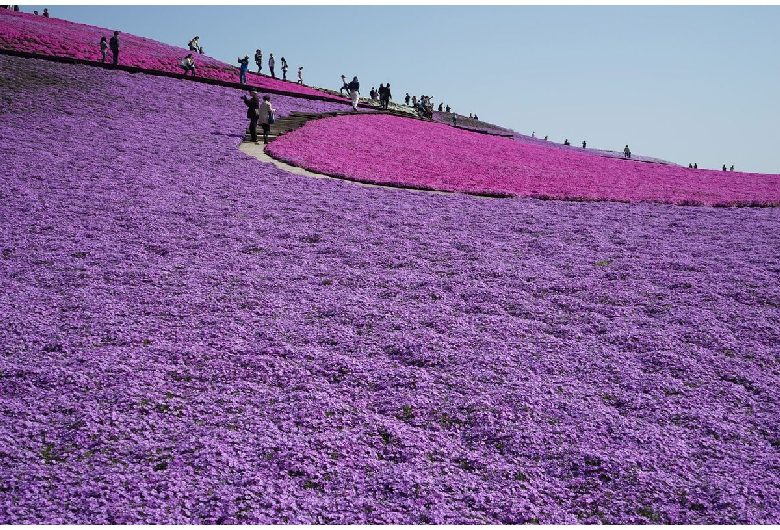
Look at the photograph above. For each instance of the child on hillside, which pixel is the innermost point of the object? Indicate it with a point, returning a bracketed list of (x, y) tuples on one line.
[(103, 49), (188, 64)]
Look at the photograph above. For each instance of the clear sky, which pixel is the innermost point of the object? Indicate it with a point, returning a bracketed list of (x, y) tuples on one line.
[(682, 83)]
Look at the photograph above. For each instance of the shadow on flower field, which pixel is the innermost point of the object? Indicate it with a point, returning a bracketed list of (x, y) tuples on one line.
[(191, 336)]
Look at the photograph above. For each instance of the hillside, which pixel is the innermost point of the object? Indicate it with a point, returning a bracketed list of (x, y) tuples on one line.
[(190, 335)]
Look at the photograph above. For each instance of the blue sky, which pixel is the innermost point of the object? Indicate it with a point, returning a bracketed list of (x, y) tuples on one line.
[(681, 83)]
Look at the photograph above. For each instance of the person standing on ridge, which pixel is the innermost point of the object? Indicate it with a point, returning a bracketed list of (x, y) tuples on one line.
[(252, 112), (284, 69), (407, 98), (114, 45), (447, 109), (354, 92), (300, 75), (724, 167), (387, 97), (626, 152), (103, 49), (46, 12), (243, 67), (344, 85), (695, 165), (566, 142), (271, 64), (731, 168), (259, 60), (584, 144)]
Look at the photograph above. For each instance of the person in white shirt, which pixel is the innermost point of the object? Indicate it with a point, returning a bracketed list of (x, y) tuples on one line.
[(188, 64), (265, 116)]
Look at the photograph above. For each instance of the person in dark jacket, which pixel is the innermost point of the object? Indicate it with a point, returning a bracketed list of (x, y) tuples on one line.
[(626, 152), (114, 45), (407, 99), (447, 109), (386, 97), (259, 60), (46, 12), (354, 92), (252, 112)]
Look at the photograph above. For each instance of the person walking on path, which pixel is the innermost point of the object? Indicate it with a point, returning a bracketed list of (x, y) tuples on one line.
[(354, 92), (114, 45), (243, 69), (265, 117), (271, 64), (252, 112), (188, 63), (259, 60), (626, 152), (284, 69), (103, 49), (300, 75)]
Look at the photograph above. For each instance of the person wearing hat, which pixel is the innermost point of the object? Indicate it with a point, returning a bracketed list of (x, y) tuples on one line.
[(244, 67), (252, 112)]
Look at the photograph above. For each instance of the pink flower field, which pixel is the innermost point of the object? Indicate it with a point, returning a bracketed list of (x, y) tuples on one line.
[(56, 37), (415, 154)]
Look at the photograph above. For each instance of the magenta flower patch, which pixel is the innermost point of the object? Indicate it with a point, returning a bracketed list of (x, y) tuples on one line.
[(57, 37), (384, 149)]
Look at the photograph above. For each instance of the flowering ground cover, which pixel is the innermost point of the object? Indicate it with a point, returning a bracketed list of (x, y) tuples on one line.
[(57, 37), (388, 150), (188, 335)]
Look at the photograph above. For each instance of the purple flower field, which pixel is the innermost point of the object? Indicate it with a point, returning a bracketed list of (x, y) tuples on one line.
[(188, 335)]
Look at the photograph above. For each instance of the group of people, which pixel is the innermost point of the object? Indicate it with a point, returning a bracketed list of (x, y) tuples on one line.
[(271, 66), (259, 112), (383, 95), (112, 45), (352, 88)]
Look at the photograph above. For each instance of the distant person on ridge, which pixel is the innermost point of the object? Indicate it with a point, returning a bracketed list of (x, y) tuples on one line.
[(447, 109), (731, 168), (695, 165), (724, 167), (545, 137), (441, 107), (690, 166), (194, 45), (265, 112), (533, 134), (566, 142), (372, 93), (35, 12), (46, 12), (271, 64), (344, 85), (252, 112), (387, 97), (243, 67), (259, 60), (103, 49), (284, 69), (414, 101), (626, 152), (188, 63), (407, 99), (584, 144), (300, 75), (354, 92), (114, 45)]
